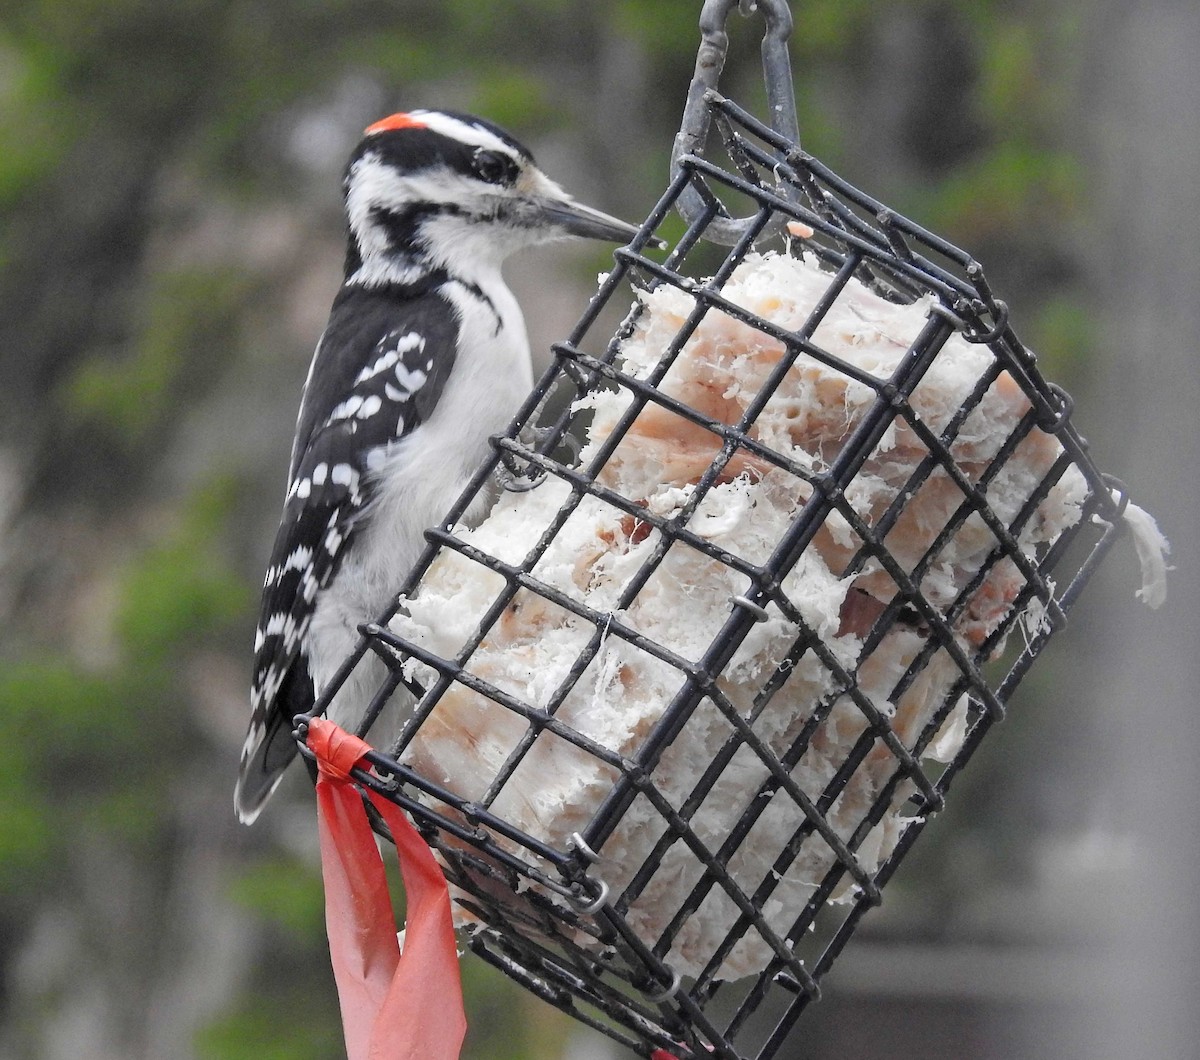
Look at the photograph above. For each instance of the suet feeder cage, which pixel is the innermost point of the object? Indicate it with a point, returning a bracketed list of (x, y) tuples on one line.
[(681, 874)]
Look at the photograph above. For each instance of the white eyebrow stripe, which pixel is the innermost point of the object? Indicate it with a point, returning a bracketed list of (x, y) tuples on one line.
[(460, 130)]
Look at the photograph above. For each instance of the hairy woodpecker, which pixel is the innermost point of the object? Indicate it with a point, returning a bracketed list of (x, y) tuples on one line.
[(423, 358)]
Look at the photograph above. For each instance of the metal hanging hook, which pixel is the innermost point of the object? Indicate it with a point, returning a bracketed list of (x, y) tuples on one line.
[(710, 61)]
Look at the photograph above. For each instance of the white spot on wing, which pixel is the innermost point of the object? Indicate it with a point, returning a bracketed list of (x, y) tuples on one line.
[(346, 409), (404, 343), (300, 558), (412, 380), (382, 365)]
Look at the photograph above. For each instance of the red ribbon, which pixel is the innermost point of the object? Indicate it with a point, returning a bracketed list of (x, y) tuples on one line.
[(395, 1006)]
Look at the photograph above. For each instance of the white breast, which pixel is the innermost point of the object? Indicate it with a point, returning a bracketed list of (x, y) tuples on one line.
[(424, 473)]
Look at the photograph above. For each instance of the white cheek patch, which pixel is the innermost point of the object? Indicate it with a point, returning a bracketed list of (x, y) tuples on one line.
[(441, 185), (376, 185), (372, 184)]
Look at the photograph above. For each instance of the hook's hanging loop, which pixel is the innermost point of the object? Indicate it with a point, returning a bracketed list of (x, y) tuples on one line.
[(710, 60)]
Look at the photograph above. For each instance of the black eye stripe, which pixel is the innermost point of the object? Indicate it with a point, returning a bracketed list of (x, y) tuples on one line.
[(494, 166)]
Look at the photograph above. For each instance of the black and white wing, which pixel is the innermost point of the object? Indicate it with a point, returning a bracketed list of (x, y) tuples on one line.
[(377, 374)]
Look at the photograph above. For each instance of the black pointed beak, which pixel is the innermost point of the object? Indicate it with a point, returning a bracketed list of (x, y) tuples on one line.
[(548, 207), (580, 220)]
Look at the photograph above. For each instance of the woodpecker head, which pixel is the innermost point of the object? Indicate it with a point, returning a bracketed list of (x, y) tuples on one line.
[(436, 189)]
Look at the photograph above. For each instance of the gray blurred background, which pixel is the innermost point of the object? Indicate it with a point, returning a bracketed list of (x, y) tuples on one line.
[(171, 242)]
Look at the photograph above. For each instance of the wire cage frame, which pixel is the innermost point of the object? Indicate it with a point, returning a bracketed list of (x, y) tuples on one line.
[(551, 910)]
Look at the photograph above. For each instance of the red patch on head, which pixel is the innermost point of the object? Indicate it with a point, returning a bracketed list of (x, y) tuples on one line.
[(394, 121)]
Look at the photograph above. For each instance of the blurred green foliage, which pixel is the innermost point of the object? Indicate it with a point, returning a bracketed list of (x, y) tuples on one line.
[(996, 195), (289, 1011), (36, 129), (188, 334), (285, 891), (179, 591), (272, 1028), (119, 725)]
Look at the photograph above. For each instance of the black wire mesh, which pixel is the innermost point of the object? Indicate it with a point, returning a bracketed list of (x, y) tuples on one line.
[(552, 908)]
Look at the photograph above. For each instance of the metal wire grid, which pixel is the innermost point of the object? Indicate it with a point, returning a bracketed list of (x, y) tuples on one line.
[(546, 916)]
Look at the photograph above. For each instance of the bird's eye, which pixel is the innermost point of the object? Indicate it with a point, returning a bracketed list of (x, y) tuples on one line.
[(494, 167)]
